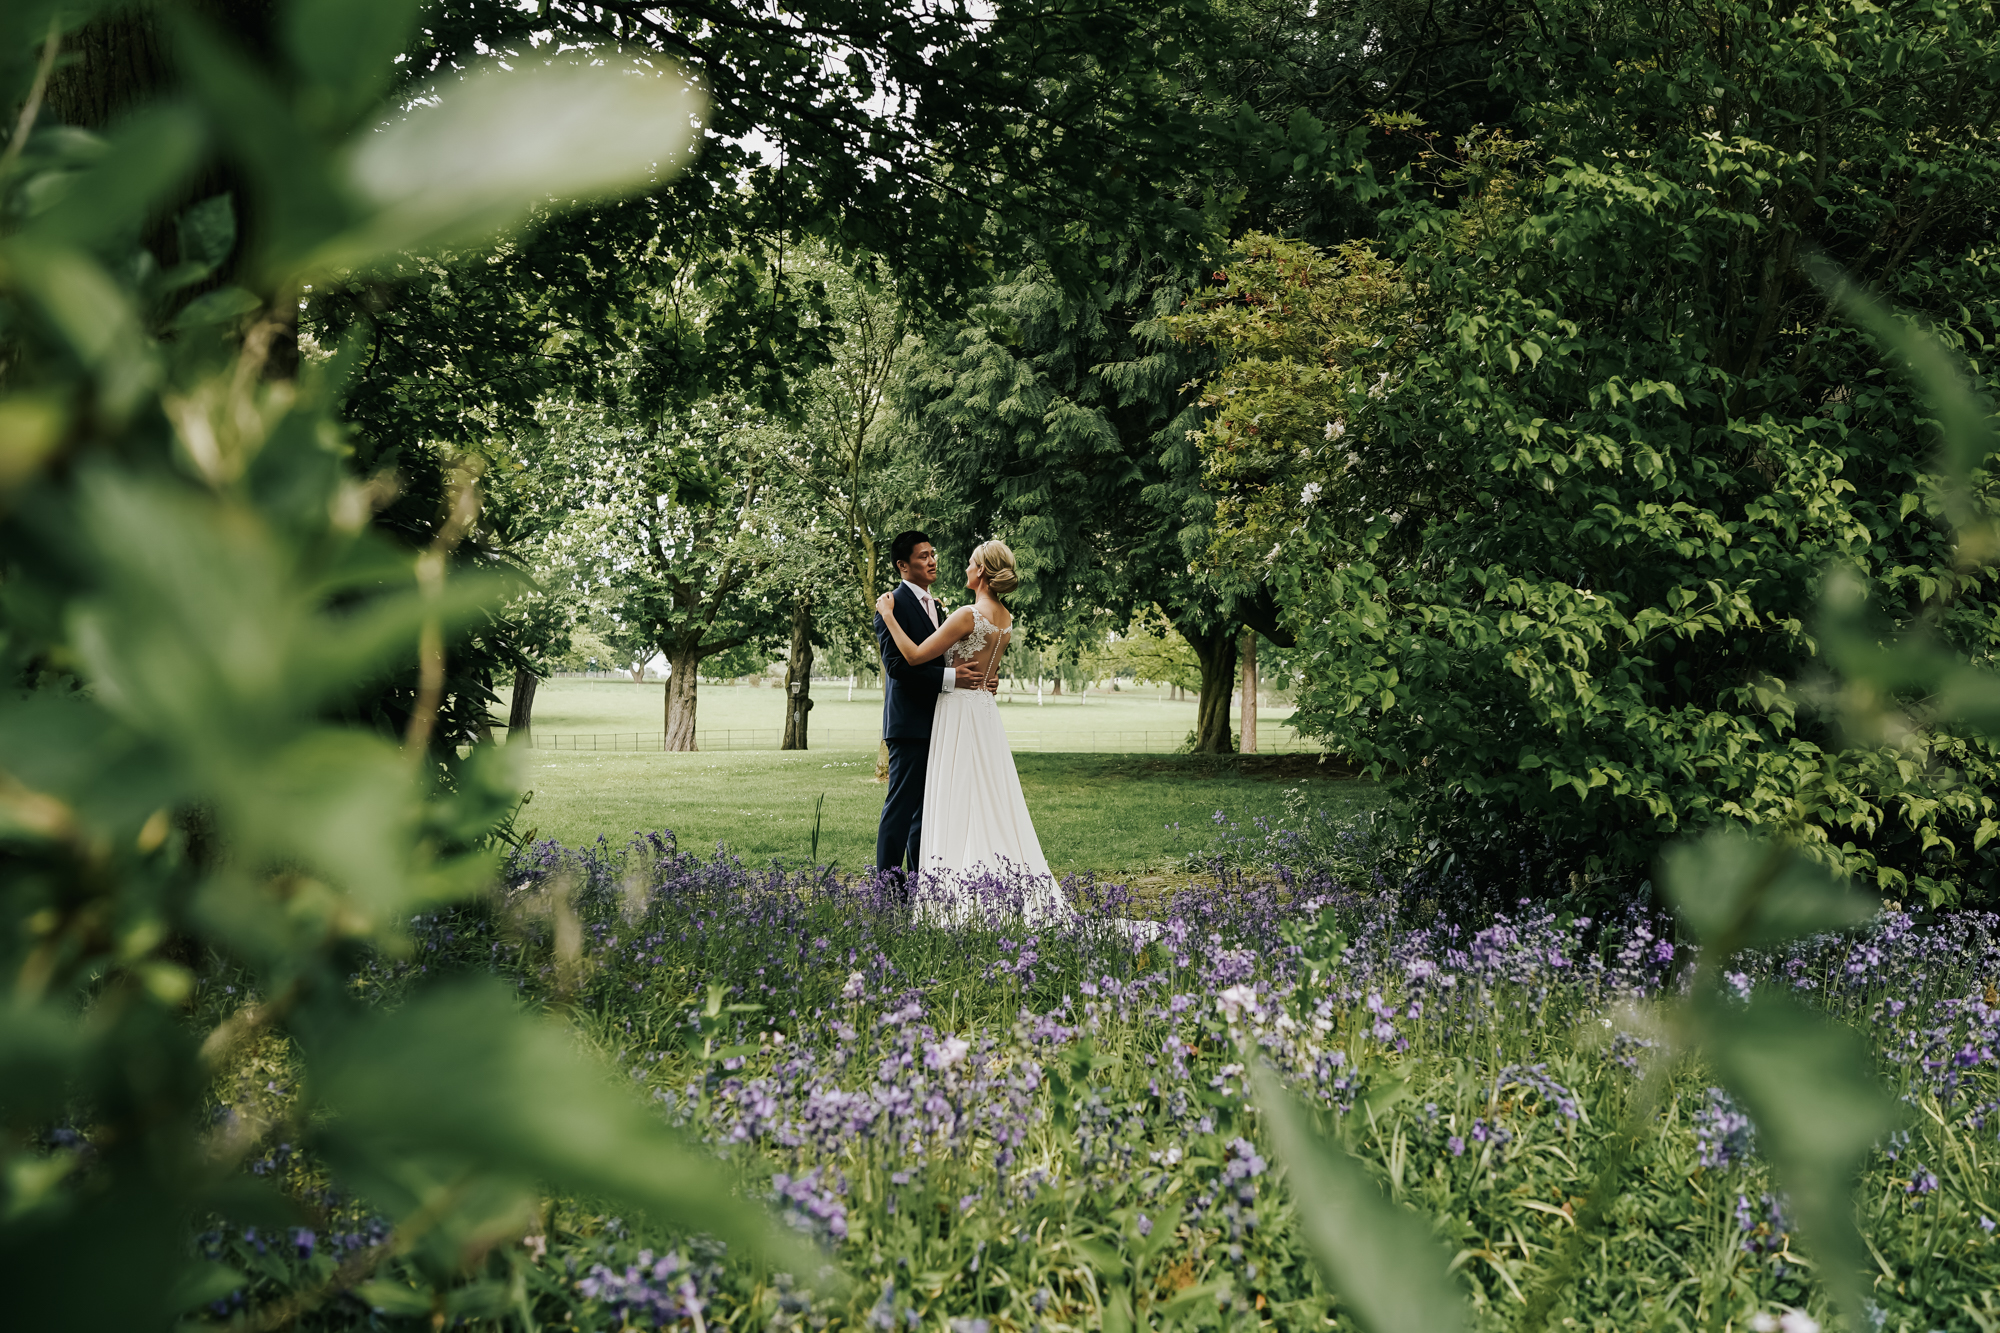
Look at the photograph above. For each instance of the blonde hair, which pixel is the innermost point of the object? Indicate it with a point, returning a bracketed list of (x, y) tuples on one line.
[(996, 562)]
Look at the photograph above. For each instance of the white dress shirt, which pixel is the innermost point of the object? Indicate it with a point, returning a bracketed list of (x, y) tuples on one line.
[(929, 603)]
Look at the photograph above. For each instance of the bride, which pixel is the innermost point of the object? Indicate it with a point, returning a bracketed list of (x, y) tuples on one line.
[(975, 819)]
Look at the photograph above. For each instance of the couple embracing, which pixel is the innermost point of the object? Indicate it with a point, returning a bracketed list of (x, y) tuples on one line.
[(954, 809)]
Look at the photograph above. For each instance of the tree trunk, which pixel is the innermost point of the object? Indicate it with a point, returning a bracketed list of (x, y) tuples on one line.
[(798, 678), (115, 62), (1215, 650), (680, 692), (120, 61), (521, 709), (1248, 728)]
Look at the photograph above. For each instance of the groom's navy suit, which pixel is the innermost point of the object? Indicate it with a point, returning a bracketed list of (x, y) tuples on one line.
[(909, 697)]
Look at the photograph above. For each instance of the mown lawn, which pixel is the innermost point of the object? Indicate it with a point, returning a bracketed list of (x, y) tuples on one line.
[(740, 715), (1105, 813)]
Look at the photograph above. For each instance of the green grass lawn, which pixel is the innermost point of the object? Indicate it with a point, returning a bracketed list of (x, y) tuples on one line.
[(731, 716), (1106, 813)]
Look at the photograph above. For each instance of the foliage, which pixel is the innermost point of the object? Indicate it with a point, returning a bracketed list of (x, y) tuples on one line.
[(858, 485), (1383, 1258), (1059, 409), (668, 526), (1802, 1078), (228, 945), (1330, 74), (1553, 538), (1049, 410), (465, 357), (1152, 650), (744, 659), (941, 139), (598, 645), (1302, 331), (190, 582), (1061, 423)]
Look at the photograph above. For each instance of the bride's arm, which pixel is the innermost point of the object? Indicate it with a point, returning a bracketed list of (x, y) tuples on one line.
[(956, 626)]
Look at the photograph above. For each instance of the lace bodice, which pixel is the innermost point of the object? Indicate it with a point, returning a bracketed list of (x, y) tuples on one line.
[(974, 643)]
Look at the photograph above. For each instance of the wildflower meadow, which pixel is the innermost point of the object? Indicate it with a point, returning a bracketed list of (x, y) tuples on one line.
[(1008, 1128)]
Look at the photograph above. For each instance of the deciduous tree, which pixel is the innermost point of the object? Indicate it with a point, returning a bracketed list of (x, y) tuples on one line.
[(1553, 541), (668, 534), (1062, 424)]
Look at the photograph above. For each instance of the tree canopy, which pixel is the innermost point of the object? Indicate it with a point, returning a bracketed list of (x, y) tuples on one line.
[(935, 135), (1550, 483)]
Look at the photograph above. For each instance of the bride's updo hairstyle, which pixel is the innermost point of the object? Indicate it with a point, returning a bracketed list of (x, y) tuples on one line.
[(996, 562)]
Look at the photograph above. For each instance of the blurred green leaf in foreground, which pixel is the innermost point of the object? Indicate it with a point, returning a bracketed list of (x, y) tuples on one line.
[(1379, 1256), (188, 586)]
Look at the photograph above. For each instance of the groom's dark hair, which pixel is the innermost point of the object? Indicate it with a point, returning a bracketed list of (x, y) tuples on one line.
[(906, 545)]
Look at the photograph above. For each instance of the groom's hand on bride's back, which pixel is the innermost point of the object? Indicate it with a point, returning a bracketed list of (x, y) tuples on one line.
[(973, 678)]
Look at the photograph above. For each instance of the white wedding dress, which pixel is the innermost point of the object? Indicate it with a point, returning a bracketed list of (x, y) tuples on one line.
[(978, 849)]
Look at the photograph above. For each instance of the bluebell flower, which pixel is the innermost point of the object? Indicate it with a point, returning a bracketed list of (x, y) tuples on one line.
[(1723, 1134)]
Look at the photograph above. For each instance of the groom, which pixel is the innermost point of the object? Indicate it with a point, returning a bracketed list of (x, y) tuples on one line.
[(909, 697)]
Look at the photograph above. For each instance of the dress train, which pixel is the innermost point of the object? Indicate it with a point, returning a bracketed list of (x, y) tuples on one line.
[(980, 858)]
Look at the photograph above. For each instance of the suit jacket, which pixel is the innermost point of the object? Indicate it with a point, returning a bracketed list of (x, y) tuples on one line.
[(909, 694)]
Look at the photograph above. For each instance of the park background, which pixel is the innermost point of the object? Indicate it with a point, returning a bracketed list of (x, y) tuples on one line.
[(1109, 783), (1577, 415)]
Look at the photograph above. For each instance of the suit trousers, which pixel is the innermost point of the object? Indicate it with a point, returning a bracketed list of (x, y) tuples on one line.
[(897, 840)]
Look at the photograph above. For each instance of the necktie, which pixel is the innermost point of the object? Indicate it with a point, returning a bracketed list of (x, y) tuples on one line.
[(930, 608)]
